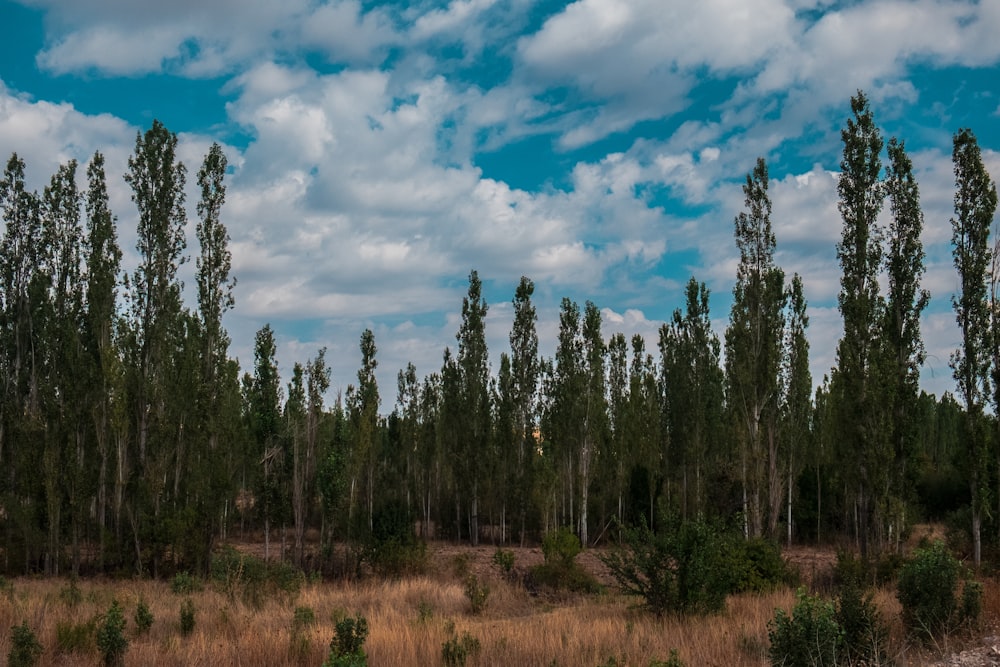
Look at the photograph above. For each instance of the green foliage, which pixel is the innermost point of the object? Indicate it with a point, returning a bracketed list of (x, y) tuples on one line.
[(477, 593), (755, 565), (347, 645), (504, 560), (392, 548), (71, 594), (689, 567), (143, 617), (187, 617), (560, 547), (24, 647), (251, 578), (865, 636), (424, 611), (455, 651), (111, 640), (75, 637), (673, 661), (928, 590), (810, 636), (302, 619), (184, 583)]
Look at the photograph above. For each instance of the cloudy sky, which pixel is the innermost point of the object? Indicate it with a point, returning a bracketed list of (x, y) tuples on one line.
[(380, 151)]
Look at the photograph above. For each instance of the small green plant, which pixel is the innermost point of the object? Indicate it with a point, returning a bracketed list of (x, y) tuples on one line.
[(504, 560), (425, 611), (673, 661), (477, 593), (302, 619), (810, 636), (71, 594), (347, 646), (187, 617), (866, 637), (184, 584), (24, 647), (455, 651), (928, 590), (143, 617), (111, 640), (75, 637), (560, 546)]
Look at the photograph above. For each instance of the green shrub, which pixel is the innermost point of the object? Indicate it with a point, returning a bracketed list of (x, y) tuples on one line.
[(184, 583), (187, 617), (560, 546), (24, 647), (71, 594), (673, 661), (477, 593), (303, 618), (75, 637), (504, 560), (111, 640), (810, 637), (143, 617), (866, 637), (347, 645), (392, 547), (928, 590), (686, 567), (455, 651), (756, 565), (252, 579)]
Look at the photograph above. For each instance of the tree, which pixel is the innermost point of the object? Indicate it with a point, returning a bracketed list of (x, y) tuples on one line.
[(692, 386), (975, 204), (524, 364), (363, 402), (860, 254), (753, 357), (473, 366), (595, 409), (904, 349), (103, 265), (264, 416), (796, 406)]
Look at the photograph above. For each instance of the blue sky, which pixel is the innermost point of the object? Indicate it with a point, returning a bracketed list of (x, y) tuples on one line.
[(382, 150)]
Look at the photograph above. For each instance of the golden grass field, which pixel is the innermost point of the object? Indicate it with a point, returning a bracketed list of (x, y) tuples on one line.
[(410, 619)]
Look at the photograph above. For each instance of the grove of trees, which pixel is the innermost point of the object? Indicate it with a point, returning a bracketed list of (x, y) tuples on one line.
[(131, 441)]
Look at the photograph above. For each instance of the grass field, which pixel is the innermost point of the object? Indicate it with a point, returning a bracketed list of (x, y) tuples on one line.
[(409, 621)]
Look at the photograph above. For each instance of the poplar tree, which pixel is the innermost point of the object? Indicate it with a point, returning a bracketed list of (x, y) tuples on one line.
[(524, 368), (902, 342), (263, 408), (796, 404), (753, 357), (473, 366), (595, 412), (104, 386), (975, 205), (860, 254)]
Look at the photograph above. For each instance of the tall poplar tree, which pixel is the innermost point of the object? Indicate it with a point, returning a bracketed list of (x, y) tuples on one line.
[(902, 342), (975, 205), (525, 371), (473, 366), (753, 356), (860, 253)]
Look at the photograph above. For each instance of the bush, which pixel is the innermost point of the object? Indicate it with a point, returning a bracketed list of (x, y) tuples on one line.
[(928, 591), (810, 636), (477, 593), (75, 637), (184, 584), (455, 651), (866, 637), (756, 565), (143, 617), (187, 617), (347, 645), (24, 647), (392, 548), (253, 579), (685, 568), (301, 619), (111, 640), (560, 547), (504, 560), (71, 593)]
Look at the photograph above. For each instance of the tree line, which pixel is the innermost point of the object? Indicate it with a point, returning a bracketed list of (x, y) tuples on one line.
[(130, 440)]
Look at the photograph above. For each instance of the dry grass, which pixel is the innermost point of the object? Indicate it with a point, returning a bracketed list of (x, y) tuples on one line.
[(409, 621)]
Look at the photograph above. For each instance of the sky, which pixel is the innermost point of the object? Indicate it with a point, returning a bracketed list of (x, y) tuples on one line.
[(380, 151)]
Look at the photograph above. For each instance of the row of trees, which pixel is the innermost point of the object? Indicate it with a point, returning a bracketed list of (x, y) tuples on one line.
[(129, 440)]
